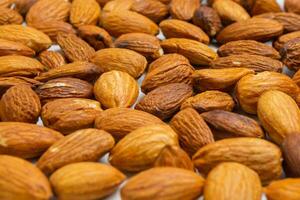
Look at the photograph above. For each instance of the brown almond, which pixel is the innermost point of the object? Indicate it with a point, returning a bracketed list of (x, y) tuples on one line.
[(9, 16), (5, 3), (290, 150), (52, 59), (278, 44), (290, 53), (14, 48), (117, 5), (167, 60), (292, 6), (296, 78), (247, 4), (265, 6), (284, 189), (183, 9), (22, 6)]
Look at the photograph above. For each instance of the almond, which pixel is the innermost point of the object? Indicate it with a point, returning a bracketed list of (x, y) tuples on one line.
[(116, 89), (139, 149), (14, 48), (117, 5), (290, 54), (5, 3), (247, 4), (292, 6), (257, 154), (183, 9), (7, 82), (52, 59), (296, 78), (290, 150), (9, 16), (82, 145), (86, 181), (121, 121), (192, 130), (265, 6), (164, 61), (284, 189), (278, 44), (22, 6), (18, 139)]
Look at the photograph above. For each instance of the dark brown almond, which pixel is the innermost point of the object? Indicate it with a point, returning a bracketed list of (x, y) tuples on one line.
[(290, 53), (52, 59)]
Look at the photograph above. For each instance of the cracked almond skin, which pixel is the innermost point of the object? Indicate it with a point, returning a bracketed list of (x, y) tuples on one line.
[(70, 114), (170, 68), (84, 12), (163, 183), (174, 156), (233, 181), (28, 36), (116, 89), (121, 121), (86, 181), (290, 150), (174, 28), (120, 59), (15, 48), (279, 43), (118, 23), (20, 104), (192, 130), (52, 59), (288, 188), (248, 47), (218, 79), (265, 6), (82, 70), (226, 124), (138, 150), (209, 100), (64, 88), (166, 100), (9, 16), (254, 62), (258, 29), (80, 146), (258, 154), (250, 87), (183, 9), (208, 20), (97, 37), (17, 139), (290, 53), (25, 181), (197, 52), (292, 6), (279, 115), (145, 44), (74, 47)]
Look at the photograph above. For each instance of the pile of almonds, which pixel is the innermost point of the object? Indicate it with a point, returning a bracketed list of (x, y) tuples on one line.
[(177, 119)]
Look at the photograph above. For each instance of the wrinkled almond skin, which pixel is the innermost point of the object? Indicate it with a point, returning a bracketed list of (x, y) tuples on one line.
[(116, 89), (174, 156), (247, 47), (226, 124), (145, 44), (258, 29), (64, 88), (279, 115), (233, 181), (14, 48), (52, 59), (25, 181), (118, 23), (208, 20), (183, 9), (117, 5), (86, 181), (121, 121), (166, 100), (138, 150), (84, 12), (172, 71), (79, 146), (120, 59), (290, 150), (254, 62), (292, 6), (9, 16), (97, 37), (284, 189), (218, 79), (260, 155), (20, 104), (81, 70), (17, 139), (174, 28), (265, 6), (157, 184), (197, 52), (290, 53), (209, 100), (192, 130), (70, 114), (75, 48), (278, 44), (250, 87)]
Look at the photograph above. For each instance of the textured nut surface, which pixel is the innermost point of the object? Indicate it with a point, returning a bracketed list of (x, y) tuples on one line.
[(14, 48), (292, 6), (278, 44), (284, 189), (290, 150), (9, 16), (52, 59), (265, 6), (84, 12), (290, 54), (183, 9)]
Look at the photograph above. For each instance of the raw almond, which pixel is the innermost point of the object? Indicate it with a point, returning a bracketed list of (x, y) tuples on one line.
[(247, 4), (117, 5), (290, 150), (265, 6), (9, 16), (7, 82), (183, 9), (5, 3), (278, 44), (14, 48), (296, 78), (22, 6), (290, 54), (80, 146), (52, 59), (284, 189), (292, 6), (166, 60)]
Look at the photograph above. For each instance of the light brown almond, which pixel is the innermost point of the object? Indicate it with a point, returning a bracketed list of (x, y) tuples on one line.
[(183, 9), (14, 48), (52, 59)]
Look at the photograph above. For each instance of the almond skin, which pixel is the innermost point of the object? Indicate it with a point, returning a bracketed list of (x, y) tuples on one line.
[(278, 44), (290, 54), (173, 28), (265, 6), (9, 16), (260, 155), (25, 180), (166, 100), (84, 12), (232, 181), (138, 150), (121, 121), (86, 181), (292, 6), (52, 59), (116, 89), (14, 48), (166, 60), (192, 130), (22, 6), (183, 9), (290, 150), (258, 29), (279, 114), (157, 184), (284, 189), (82, 145), (17, 139), (117, 5), (296, 78), (8, 82)]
